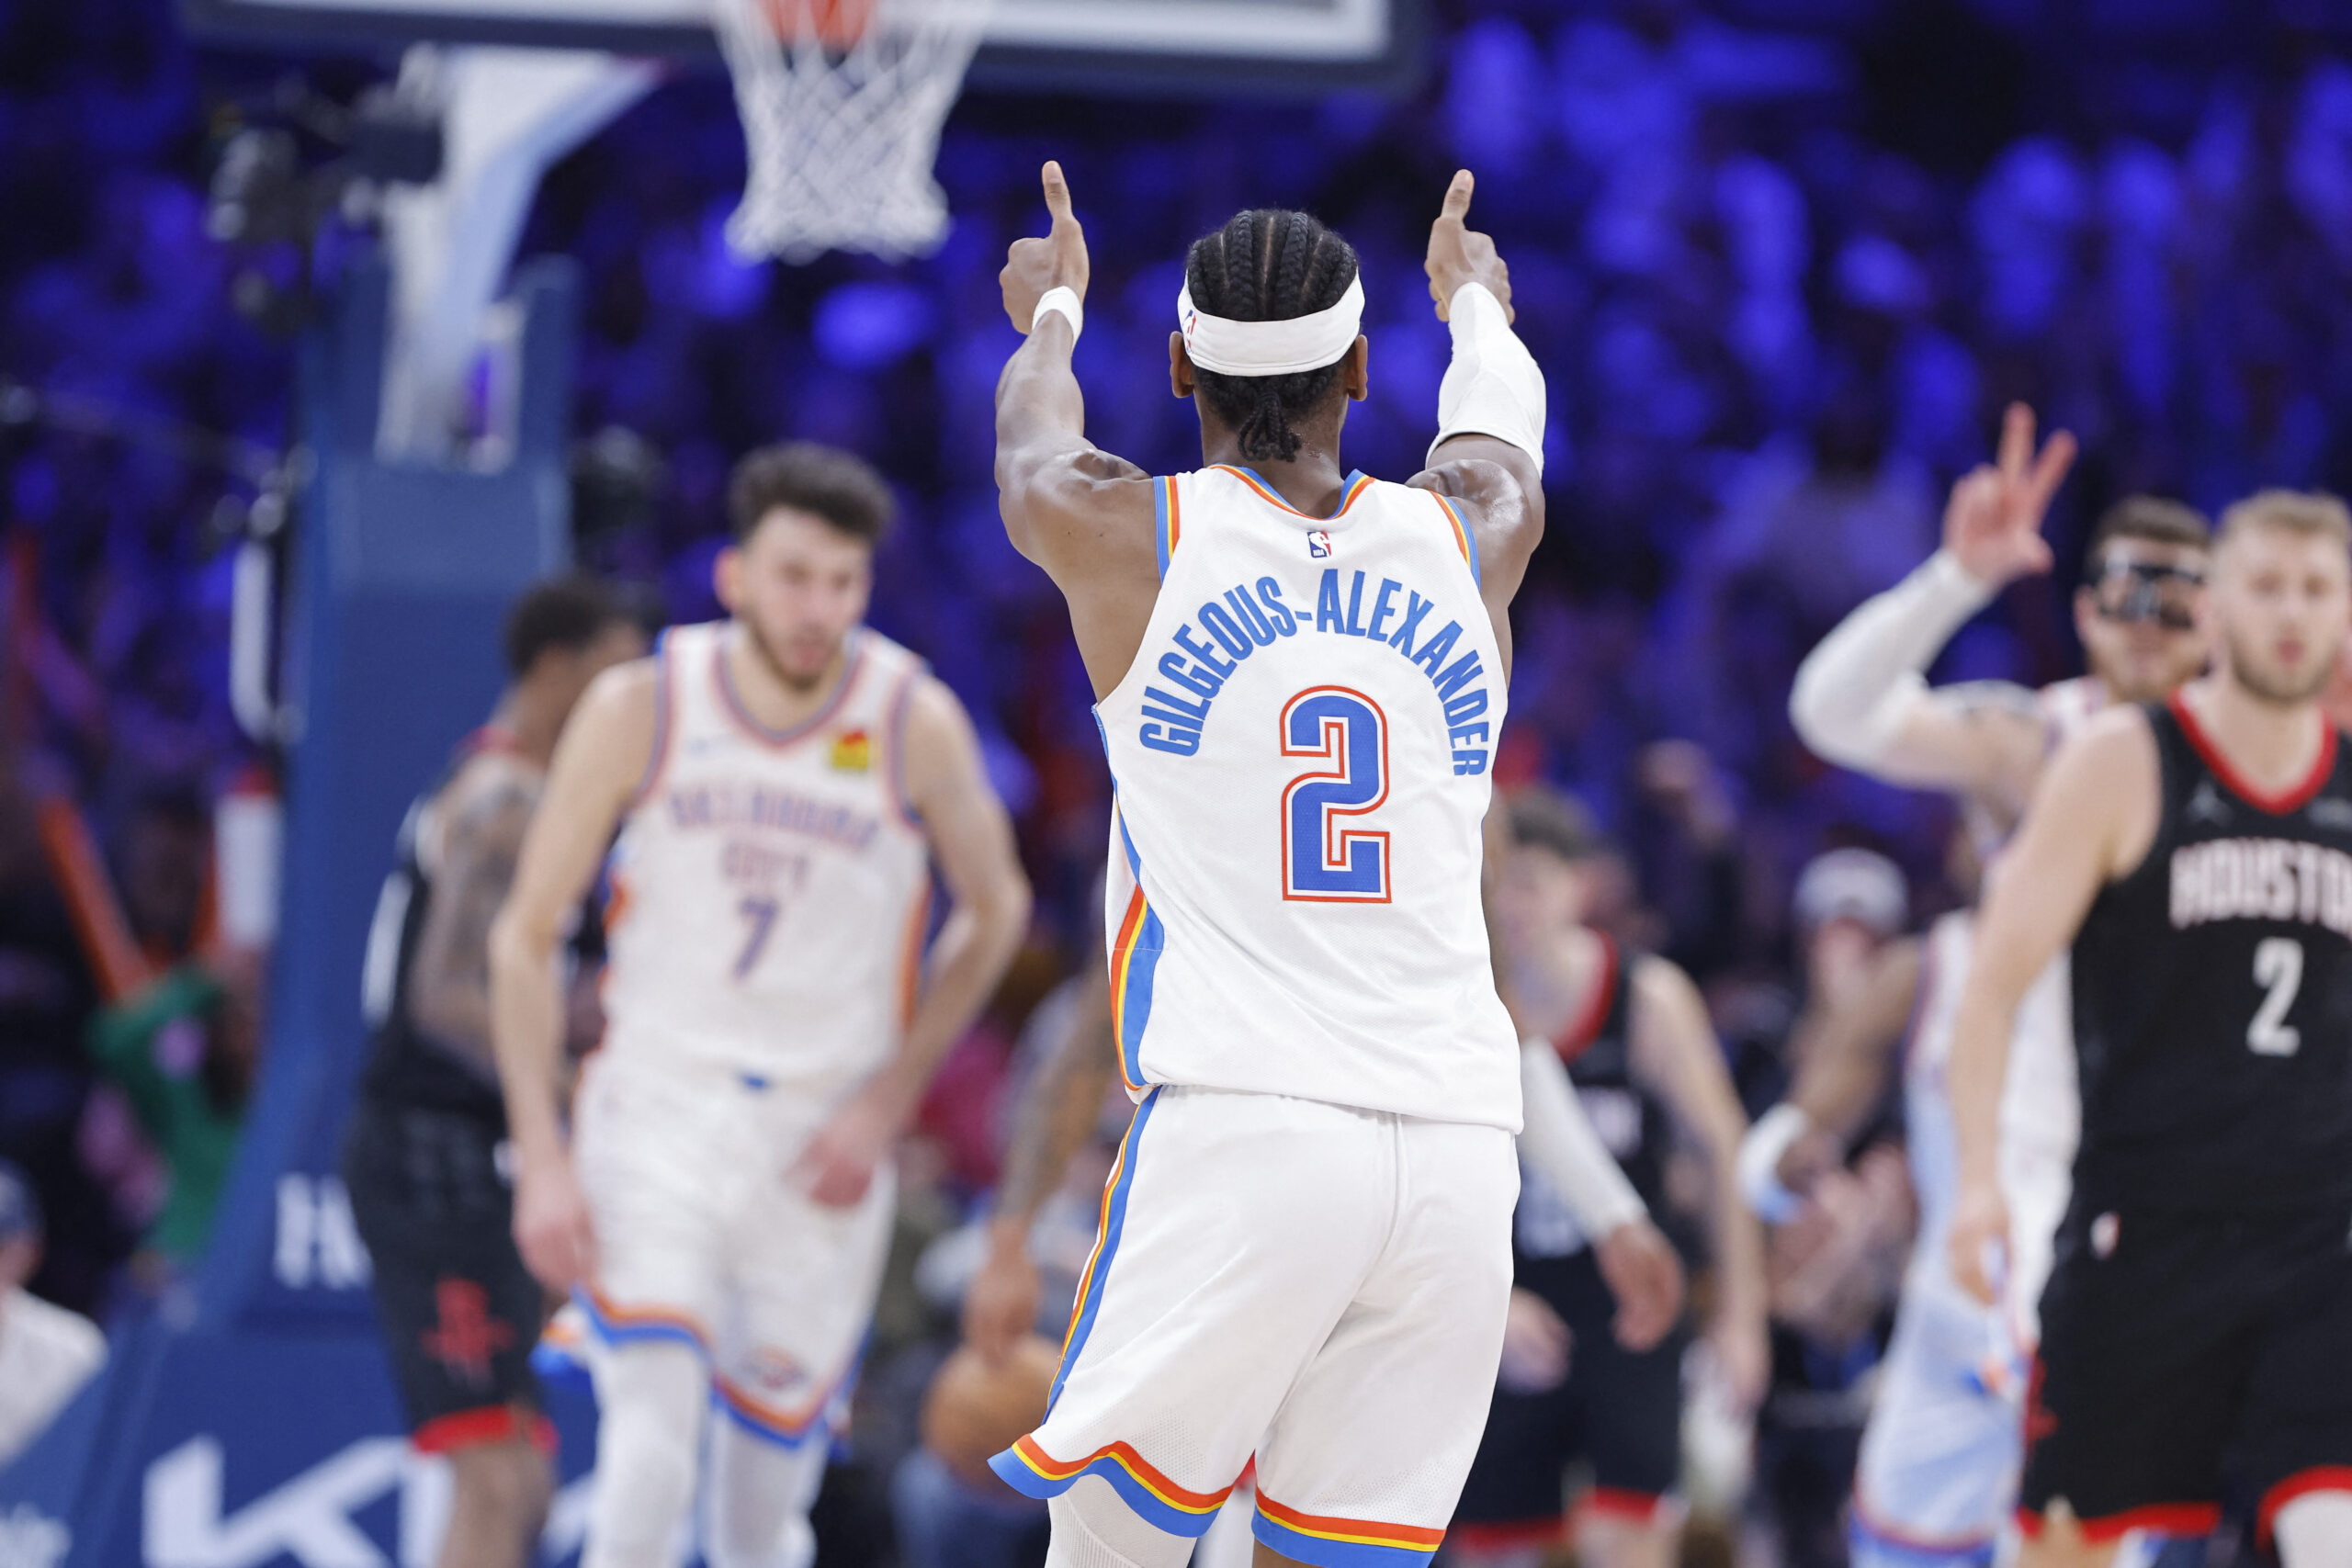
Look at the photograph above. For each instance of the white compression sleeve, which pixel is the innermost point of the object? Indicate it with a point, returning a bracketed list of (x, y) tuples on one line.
[(1854, 692), (1561, 1145), (1494, 386)]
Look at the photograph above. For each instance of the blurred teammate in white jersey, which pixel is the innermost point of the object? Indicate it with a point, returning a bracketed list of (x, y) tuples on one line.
[(1300, 675), (781, 782), (1938, 1476)]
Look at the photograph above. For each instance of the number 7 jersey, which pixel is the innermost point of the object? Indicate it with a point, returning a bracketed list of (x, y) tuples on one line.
[(1299, 757), (770, 889)]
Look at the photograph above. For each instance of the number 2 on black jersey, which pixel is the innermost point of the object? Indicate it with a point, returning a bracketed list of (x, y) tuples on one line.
[(2278, 965)]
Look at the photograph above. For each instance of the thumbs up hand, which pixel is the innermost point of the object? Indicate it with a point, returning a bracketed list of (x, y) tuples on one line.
[(1458, 253), (1056, 261)]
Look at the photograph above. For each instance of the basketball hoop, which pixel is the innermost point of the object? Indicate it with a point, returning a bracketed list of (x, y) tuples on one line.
[(842, 102)]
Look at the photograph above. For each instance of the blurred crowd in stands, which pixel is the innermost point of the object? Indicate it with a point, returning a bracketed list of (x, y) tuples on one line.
[(1782, 262)]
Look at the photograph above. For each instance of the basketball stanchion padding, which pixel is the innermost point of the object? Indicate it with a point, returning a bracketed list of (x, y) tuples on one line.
[(976, 1409)]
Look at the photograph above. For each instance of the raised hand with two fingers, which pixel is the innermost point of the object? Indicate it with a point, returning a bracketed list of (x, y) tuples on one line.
[(1993, 522)]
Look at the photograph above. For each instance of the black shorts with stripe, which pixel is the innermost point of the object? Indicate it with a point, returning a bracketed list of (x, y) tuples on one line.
[(1619, 1412), (2185, 1356), (458, 1310)]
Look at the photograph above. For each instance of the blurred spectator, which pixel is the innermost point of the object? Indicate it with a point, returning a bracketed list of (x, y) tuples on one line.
[(46, 999), (46, 1352), (1834, 1277), (184, 1052)]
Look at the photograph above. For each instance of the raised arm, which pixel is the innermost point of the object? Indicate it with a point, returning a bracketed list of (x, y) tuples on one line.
[(1675, 1054), (605, 748), (1861, 698), (1489, 455), (1059, 1108), (1087, 517), (971, 840), (2091, 819)]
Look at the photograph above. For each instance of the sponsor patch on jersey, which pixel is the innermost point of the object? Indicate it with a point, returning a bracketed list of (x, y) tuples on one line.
[(1318, 544), (852, 751), (773, 1371)]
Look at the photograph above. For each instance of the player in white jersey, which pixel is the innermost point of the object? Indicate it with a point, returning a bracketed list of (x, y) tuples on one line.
[(781, 782), (1300, 671), (1939, 1461)]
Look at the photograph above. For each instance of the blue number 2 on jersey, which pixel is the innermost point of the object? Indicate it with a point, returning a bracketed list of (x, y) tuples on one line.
[(1325, 861)]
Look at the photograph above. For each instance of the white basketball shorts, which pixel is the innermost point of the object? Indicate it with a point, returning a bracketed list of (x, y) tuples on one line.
[(1321, 1286), (1938, 1477), (703, 1239)]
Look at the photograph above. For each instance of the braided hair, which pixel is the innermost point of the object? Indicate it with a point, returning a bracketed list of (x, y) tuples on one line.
[(1268, 265)]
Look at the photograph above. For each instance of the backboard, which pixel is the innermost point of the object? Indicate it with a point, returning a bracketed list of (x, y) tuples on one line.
[(1305, 46)]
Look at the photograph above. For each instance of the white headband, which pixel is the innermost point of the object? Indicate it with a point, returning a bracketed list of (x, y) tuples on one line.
[(1270, 348)]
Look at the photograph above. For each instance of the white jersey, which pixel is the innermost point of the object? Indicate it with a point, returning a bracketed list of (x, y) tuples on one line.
[(1299, 755), (2043, 1036), (770, 889)]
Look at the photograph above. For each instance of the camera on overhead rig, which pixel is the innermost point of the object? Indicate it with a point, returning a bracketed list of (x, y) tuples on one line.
[(297, 163)]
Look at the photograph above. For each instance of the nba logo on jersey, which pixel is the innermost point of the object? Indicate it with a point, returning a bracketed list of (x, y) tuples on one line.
[(1318, 544)]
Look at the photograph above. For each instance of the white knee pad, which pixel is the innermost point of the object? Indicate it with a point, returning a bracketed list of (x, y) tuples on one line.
[(759, 1498), (2315, 1530), (650, 1400), (1093, 1529)]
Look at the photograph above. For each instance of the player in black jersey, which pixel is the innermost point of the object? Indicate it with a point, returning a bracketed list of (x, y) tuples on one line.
[(1644, 1062), (422, 1157), (2197, 1330)]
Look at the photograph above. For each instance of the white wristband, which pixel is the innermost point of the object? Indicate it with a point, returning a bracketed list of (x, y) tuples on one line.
[(1759, 1163), (1061, 299), (1493, 387)]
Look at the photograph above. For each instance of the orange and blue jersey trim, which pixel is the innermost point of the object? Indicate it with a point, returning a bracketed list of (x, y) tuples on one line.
[(1031, 1470), (819, 1417), (732, 700), (1358, 482), (618, 1325), (1325, 1542), (1134, 960), (658, 762), (1464, 540), (1171, 518), (895, 765), (1113, 1225)]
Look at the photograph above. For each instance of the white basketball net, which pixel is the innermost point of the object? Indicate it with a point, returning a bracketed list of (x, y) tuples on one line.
[(842, 138)]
